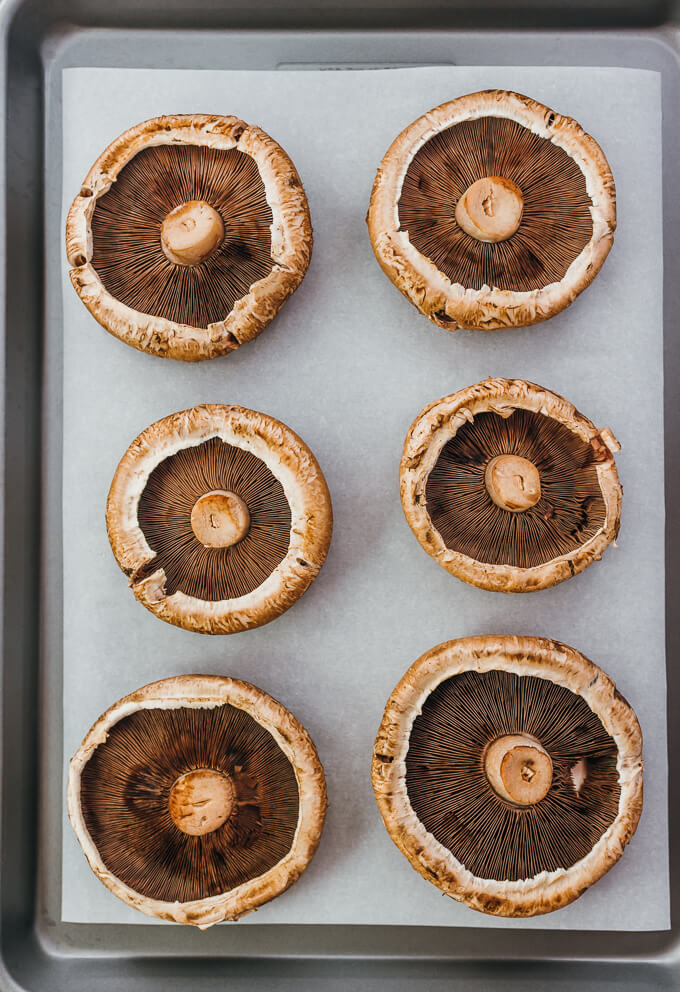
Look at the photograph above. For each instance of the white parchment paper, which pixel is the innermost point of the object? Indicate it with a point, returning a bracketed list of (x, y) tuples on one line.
[(348, 364)]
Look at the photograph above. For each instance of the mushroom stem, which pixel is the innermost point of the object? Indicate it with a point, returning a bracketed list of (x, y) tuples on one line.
[(220, 519), (201, 801), (579, 773), (513, 483), (519, 769), (491, 209), (191, 232)]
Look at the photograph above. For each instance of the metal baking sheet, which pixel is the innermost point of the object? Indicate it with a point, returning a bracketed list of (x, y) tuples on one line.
[(348, 364), (38, 951)]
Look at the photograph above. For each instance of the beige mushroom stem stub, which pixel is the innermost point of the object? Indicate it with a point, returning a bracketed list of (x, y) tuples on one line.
[(220, 519), (201, 801), (491, 209), (519, 769), (191, 232), (513, 483)]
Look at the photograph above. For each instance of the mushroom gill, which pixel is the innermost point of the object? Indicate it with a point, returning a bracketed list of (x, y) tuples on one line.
[(554, 224), (450, 787), (223, 197), (551, 516), (128, 790), (214, 482)]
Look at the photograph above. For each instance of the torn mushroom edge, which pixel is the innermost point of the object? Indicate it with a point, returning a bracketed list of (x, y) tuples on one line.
[(488, 308), (291, 239), (207, 692), (290, 461), (440, 421), (535, 656)]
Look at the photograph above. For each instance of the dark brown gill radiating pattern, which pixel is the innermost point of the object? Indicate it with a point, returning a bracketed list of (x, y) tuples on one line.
[(125, 790), (450, 793), (570, 511), (126, 225), (164, 515), (556, 222)]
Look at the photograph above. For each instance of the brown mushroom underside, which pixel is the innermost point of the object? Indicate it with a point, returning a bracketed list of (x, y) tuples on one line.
[(451, 795), (126, 232), (125, 797), (556, 222), (165, 517), (568, 513)]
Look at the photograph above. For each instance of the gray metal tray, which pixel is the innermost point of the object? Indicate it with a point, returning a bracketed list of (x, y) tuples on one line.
[(37, 950)]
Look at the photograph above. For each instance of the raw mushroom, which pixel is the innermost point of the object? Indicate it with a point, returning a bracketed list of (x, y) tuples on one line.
[(508, 770), (197, 799), (492, 211), (509, 487), (188, 235), (221, 518)]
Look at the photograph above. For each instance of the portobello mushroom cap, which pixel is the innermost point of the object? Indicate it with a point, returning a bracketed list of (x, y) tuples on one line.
[(220, 517), (188, 235), (197, 799), (508, 770), (508, 487), (492, 211)]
